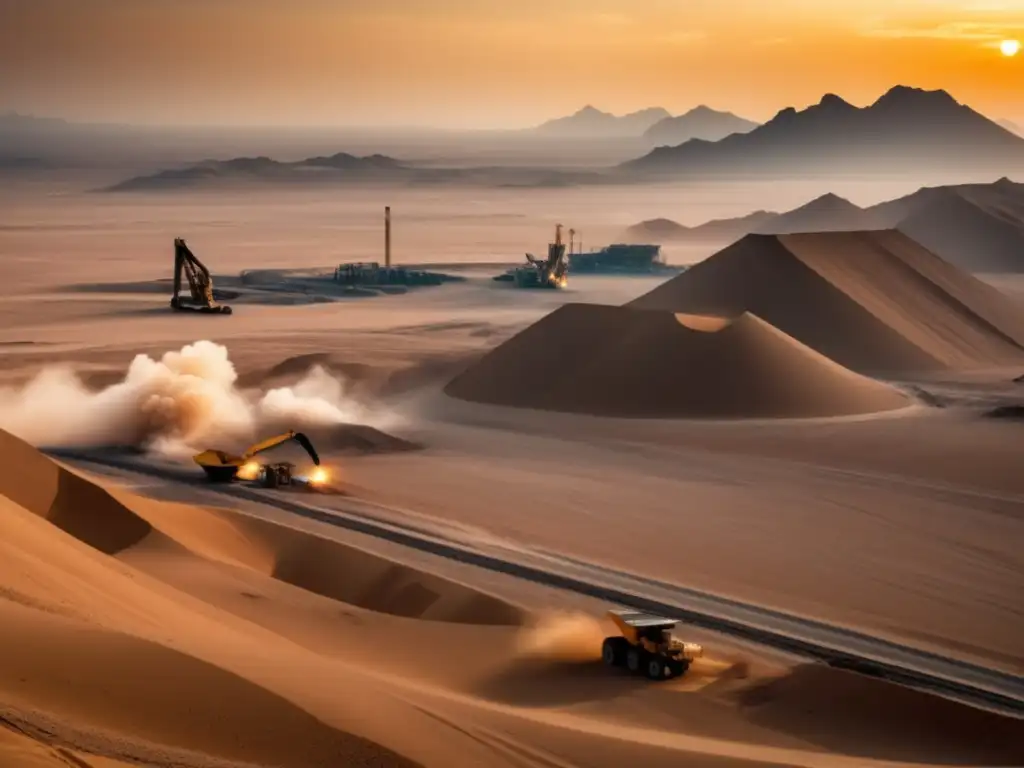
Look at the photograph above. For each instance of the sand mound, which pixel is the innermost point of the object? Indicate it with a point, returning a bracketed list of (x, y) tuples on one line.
[(872, 301), (359, 578), (357, 438), (615, 361), (855, 714), (73, 504)]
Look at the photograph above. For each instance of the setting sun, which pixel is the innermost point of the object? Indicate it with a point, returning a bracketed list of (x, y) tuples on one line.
[(1010, 47)]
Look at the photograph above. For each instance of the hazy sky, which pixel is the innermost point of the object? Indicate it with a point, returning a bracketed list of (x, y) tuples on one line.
[(491, 63)]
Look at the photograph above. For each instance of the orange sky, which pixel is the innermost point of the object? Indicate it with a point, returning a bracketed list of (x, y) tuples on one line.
[(491, 63)]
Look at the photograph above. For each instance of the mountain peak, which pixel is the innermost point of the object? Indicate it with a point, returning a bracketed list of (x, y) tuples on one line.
[(907, 96), (832, 101), (658, 112), (829, 201), (905, 129)]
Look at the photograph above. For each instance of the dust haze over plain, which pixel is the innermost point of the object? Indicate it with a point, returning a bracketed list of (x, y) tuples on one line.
[(179, 403)]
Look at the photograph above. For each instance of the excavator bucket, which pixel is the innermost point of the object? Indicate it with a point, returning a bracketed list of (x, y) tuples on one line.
[(219, 466)]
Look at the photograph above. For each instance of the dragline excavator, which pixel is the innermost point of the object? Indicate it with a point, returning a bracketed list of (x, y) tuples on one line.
[(223, 467), (200, 283), (551, 272)]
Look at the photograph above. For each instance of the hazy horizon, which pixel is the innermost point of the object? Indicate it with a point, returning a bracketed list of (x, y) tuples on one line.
[(455, 65)]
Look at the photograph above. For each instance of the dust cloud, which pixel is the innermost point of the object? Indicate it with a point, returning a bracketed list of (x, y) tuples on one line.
[(172, 405), (563, 636)]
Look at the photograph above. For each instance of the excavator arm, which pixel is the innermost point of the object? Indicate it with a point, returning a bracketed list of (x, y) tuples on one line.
[(273, 442), (200, 282)]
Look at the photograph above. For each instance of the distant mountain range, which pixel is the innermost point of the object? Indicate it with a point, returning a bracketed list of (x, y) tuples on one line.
[(591, 122), (979, 227), (903, 130), (11, 122), (699, 123), (654, 125), (340, 168), (263, 168)]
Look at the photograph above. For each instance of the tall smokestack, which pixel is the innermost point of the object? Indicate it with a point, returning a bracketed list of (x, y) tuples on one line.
[(387, 235)]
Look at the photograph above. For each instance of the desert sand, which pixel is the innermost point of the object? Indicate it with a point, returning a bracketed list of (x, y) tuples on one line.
[(148, 621)]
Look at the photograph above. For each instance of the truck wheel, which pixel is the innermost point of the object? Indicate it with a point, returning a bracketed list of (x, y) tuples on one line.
[(613, 651), (655, 668), (678, 668), (633, 661)]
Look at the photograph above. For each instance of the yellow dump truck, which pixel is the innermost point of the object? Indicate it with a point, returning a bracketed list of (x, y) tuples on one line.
[(647, 646)]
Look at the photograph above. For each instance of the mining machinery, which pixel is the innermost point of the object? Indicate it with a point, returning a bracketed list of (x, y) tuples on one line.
[(200, 283), (548, 273), (223, 467), (646, 646)]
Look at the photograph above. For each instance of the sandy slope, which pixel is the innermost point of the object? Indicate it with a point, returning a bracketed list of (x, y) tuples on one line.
[(192, 646), (616, 361), (872, 301)]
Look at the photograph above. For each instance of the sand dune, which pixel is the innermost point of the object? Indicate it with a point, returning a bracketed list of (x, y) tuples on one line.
[(327, 568), (616, 361), (80, 508), (872, 301), (101, 520), (130, 686), (217, 640), (808, 699)]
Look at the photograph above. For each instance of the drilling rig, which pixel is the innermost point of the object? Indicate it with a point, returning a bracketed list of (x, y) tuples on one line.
[(200, 283), (549, 273)]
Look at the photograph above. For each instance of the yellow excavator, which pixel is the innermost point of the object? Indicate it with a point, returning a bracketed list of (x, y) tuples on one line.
[(200, 283), (223, 467)]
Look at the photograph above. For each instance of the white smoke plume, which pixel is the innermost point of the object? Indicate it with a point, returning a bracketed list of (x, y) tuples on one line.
[(185, 400)]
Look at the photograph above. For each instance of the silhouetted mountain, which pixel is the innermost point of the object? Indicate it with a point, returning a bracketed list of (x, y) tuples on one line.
[(590, 122), (19, 163), (342, 168), (714, 231), (264, 168), (905, 129), (978, 227), (345, 161), (657, 229), (699, 123), (828, 213), (13, 122)]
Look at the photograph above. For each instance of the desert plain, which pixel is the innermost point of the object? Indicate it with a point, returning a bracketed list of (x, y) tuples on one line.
[(671, 427)]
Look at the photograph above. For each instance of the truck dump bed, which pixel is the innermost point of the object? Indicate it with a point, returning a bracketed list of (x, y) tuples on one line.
[(632, 622)]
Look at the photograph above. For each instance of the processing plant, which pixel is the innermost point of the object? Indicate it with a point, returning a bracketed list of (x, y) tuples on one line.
[(621, 259), (373, 275)]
